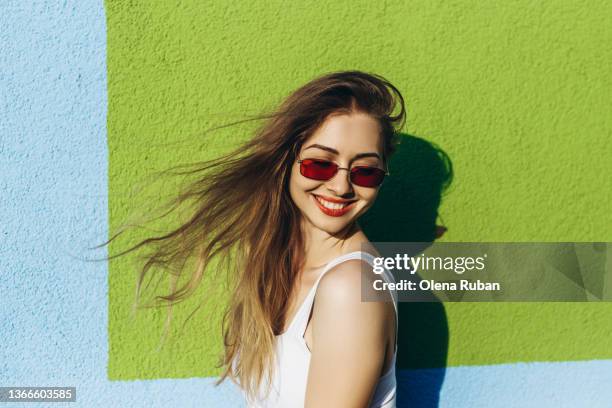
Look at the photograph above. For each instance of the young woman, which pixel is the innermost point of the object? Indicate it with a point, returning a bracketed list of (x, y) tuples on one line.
[(283, 211)]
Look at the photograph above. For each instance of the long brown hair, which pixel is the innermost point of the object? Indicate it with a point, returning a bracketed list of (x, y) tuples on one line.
[(242, 213)]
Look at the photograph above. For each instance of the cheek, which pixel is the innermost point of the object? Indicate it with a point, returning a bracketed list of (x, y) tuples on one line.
[(368, 195), (301, 184), (298, 185)]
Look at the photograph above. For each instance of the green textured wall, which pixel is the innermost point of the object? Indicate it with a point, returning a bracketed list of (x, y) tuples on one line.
[(517, 94)]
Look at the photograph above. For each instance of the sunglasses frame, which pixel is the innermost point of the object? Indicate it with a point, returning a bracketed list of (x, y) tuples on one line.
[(387, 173)]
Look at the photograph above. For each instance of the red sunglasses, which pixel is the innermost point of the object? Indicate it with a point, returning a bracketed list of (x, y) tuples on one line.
[(364, 176)]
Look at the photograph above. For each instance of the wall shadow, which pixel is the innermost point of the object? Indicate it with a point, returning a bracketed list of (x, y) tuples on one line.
[(406, 211)]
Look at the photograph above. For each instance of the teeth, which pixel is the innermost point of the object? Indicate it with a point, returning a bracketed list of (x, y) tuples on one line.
[(330, 205)]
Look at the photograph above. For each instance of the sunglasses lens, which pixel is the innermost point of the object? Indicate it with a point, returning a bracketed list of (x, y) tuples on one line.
[(318, 169), (367, 176)]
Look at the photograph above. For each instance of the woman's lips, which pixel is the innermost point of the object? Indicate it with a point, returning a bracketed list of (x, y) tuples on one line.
[(333, 207)]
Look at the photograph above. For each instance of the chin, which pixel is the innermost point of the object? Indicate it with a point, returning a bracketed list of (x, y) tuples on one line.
[(332, 227)]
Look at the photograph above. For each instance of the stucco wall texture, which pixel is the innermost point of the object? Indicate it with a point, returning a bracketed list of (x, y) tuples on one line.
[(517, 95)]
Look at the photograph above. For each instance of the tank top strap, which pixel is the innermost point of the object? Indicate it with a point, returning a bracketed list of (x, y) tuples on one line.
[(389, 278), (300, 322)]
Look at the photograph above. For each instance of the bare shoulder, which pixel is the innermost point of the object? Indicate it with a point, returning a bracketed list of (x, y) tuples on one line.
[(349, 339), (340, 287)]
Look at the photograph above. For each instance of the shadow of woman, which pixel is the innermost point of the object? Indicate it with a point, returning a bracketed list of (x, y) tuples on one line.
[(406, 211)]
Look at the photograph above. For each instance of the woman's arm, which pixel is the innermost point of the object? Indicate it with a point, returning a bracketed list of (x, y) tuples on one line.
[(348, 340)]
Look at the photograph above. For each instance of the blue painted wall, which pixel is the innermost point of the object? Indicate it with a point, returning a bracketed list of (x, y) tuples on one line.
[(53, 205)]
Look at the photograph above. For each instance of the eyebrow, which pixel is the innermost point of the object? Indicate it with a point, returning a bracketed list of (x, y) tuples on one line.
[(334, 151)]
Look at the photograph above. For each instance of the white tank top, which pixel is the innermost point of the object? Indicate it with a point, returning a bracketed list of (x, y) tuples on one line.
[(293, 356)]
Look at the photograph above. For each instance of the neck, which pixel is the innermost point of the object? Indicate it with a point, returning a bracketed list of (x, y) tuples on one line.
[(321, 247)]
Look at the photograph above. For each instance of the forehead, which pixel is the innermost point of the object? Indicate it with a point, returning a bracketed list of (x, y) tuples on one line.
[(349, 134)]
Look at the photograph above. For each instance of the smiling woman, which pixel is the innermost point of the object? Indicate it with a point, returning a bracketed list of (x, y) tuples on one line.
[(284, 208), (345, 142)]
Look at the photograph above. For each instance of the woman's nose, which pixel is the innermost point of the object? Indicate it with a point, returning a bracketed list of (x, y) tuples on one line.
[(340, 183)]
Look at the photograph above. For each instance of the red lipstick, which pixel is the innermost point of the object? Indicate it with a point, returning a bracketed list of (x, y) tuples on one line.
[(334, 207)]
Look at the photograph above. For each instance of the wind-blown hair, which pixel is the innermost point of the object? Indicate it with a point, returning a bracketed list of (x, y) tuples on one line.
[(242, 210)]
